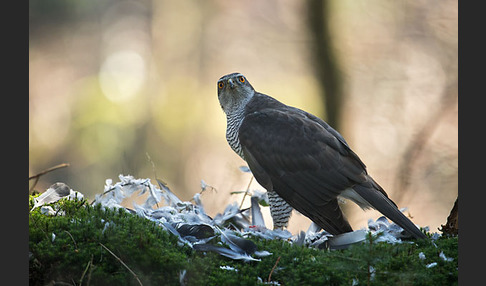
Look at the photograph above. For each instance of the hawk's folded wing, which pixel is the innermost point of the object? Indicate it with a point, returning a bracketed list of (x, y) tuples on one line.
[(294, 154)]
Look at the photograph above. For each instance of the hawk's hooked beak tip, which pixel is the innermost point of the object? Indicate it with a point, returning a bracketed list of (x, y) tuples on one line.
[(231, 83)]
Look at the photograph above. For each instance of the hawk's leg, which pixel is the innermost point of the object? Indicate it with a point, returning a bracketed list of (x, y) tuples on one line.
[(280, 210)]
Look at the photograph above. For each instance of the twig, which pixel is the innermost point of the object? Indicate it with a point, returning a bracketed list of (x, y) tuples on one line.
[(246, 192), (86, 270), (63, 165), (123, 263), (153, 170), (37, 176), (153, 164), (75, 245), (273, 268), (91, 268)]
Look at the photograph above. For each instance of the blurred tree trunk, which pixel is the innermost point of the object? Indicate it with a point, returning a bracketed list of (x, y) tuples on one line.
[(451, 227), (324, 60)]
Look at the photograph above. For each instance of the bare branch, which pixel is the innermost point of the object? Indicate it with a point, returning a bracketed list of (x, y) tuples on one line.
[(246, 192), (37, 176), (123, 263), (273, 268)]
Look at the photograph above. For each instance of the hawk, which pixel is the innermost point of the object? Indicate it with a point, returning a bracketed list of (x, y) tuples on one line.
[(300, 160)]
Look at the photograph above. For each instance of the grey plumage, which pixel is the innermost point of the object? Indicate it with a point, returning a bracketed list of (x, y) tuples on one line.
[(298, 158)]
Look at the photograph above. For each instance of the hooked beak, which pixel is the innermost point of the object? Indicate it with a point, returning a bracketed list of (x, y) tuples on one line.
[(231, 83)]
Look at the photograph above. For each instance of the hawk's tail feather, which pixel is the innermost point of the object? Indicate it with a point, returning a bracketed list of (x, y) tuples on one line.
[(383, 204)]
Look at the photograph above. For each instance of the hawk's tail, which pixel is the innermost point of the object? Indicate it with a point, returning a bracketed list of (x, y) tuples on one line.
[(379, 201)]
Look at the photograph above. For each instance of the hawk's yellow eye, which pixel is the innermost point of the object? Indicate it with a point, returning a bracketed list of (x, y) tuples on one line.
[(220, 84), (241, 79)]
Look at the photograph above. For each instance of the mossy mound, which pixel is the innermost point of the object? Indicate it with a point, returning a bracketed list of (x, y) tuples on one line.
[(142, 251)]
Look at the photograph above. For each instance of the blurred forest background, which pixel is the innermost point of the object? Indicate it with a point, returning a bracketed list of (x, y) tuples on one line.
[(113, 83)]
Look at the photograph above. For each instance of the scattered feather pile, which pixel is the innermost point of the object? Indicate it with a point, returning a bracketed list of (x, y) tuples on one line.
[(188, 221), (227, 232)]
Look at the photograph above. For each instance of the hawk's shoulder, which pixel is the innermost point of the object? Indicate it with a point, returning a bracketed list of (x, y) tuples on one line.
[(268, 119)]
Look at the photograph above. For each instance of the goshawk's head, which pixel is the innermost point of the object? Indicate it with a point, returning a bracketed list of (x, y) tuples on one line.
[(234, 91)]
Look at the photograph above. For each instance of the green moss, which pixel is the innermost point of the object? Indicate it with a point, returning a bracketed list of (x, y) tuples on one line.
[(141, 244), (158, 259)]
